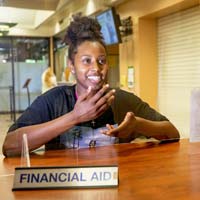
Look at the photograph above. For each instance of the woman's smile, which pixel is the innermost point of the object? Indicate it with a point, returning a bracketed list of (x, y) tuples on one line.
[(94, 78)]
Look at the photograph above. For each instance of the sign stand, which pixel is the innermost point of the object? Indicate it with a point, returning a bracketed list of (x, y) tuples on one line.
[(25, 158)]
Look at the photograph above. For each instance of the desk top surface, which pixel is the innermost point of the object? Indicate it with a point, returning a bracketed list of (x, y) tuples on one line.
[(146, 171)]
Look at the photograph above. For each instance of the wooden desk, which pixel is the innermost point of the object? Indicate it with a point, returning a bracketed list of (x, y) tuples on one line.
[(146, 172)]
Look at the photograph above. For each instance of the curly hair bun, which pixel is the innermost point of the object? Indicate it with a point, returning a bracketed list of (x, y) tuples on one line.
[(83, 28)]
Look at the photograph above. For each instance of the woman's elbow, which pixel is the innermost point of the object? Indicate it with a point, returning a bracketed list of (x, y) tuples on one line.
[(9, 148), (174, 133)]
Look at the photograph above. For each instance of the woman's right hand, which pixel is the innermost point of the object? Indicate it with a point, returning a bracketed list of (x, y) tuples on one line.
[(92, 104)]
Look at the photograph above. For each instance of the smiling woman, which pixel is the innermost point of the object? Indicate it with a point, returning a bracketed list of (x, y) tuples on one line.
[(54, 117), (89, 66)]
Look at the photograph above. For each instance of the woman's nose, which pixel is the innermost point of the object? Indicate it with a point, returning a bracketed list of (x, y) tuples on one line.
[(95, 66)]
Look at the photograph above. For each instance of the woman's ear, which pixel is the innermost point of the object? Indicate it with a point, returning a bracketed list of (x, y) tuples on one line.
[(71, 66)]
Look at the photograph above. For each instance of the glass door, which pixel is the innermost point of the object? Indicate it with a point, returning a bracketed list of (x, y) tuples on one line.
[(7, 86)]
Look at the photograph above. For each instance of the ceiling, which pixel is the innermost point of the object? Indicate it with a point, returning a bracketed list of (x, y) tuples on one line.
[(46, 17), (28, 15)]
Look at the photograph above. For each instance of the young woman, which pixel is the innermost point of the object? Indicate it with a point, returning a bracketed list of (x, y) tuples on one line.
[(68, 116)]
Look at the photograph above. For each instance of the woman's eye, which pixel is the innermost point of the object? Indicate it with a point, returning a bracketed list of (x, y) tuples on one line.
[(86, 61), (102, 61)]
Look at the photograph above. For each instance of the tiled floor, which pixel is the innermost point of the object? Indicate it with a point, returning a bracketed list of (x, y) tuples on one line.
[(5, 123)]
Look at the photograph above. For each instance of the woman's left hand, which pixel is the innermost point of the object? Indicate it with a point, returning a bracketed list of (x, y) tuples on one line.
[(124, 130)]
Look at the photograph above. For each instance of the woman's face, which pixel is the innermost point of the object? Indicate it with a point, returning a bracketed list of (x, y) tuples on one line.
[(90, 66)]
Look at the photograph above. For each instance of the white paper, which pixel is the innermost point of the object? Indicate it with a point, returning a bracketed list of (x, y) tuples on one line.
[(131, 77)]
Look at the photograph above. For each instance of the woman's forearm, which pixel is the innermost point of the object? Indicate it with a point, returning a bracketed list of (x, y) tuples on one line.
[(157, 129), (37, 135)]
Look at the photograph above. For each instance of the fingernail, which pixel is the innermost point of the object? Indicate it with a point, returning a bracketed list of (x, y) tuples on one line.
[(107, 85)]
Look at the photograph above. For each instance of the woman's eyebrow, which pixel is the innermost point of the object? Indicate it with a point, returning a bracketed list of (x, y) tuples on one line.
[(104, 56), (87, 55)]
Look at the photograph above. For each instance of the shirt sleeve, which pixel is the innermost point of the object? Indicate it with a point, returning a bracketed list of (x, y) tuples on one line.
[(48, 106), (126, 101), (34, 114)]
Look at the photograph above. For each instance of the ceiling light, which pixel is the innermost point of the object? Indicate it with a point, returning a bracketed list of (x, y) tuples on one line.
[(4, 27)]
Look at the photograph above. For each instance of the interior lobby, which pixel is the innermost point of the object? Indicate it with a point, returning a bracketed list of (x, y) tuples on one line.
[(32, 41), (153, 52)]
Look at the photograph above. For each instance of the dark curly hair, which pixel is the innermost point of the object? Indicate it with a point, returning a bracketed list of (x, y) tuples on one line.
[(81, 29)]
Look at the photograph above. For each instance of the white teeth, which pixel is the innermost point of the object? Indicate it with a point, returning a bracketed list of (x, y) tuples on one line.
[(94, 78)]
